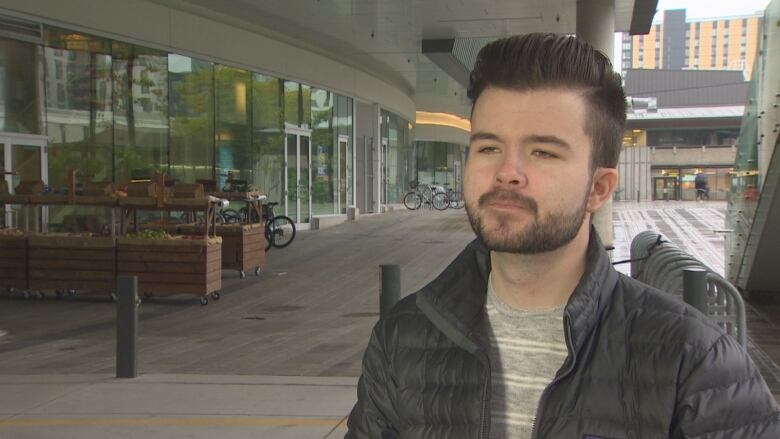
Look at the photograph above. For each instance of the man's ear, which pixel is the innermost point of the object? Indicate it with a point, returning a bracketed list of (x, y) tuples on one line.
[(604, 184)]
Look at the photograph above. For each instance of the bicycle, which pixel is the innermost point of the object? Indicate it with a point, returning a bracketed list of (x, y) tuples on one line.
[(430, 195), (454, 199), (279, 229)]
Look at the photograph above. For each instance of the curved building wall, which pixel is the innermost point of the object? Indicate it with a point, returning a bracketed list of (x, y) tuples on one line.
[(161, 27)]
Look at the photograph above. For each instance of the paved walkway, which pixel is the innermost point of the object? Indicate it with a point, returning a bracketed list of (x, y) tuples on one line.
[(279, 355)]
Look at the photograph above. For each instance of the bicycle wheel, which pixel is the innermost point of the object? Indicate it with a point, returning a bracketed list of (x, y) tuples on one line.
[(456, 200), (231, 216), (440, 201), (412, 200), (282, 231)]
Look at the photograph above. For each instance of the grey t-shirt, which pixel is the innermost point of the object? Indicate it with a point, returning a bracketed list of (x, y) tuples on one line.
[(527, 347)]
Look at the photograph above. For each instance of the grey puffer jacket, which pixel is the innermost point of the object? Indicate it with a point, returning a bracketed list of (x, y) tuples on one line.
[(641, 364)]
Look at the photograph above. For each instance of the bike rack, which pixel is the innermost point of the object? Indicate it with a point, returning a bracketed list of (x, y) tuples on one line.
[(659, 263)]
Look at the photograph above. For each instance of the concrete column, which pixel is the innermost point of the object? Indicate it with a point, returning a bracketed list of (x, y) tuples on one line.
[(596, 25)]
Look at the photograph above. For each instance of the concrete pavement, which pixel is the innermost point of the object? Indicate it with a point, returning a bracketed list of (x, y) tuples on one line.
[(279, 355)]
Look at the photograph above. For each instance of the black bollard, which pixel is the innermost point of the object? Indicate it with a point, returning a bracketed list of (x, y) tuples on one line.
[(695, 288), (127, 327), (390, 293)]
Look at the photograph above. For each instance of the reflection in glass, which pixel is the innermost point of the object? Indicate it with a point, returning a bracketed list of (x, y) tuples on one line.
[(304, 179), (343, 121), (323, 159), (439, 163), (297, 104), (292, 177), (140, 82), (20, 103), (268, 138), (234, 154), (398, 157), (191, 110)]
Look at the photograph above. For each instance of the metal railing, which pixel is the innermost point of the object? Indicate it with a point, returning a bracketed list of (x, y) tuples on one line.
[(659, 263)]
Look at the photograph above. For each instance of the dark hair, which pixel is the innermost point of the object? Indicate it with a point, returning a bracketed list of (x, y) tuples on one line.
[(538, 61)]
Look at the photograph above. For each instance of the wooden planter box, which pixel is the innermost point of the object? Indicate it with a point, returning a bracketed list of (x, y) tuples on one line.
[(243, 245), (13, 261), (176, 266), (61, 262)]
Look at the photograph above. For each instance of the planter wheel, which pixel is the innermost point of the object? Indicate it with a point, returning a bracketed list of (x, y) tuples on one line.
[(241, 274), (215, 295), (204, 300), (257, 271)]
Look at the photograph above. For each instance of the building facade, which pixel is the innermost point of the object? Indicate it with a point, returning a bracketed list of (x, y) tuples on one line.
[(682, 131), (676, 43)]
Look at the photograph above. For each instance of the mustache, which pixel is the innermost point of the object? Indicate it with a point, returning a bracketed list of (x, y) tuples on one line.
[(523, 201)]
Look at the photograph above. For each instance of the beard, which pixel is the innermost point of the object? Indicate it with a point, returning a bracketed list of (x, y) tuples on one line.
[(541, 235)]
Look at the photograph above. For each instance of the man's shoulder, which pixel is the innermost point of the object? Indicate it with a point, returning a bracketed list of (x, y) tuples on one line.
[(655, 316)]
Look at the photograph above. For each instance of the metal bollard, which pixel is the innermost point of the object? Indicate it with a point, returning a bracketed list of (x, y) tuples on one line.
[(390, 293), (127, 327), (695, 288)]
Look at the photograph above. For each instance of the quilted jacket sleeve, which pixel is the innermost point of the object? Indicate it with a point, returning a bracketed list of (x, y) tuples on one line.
[(374, 413), (722, 395)]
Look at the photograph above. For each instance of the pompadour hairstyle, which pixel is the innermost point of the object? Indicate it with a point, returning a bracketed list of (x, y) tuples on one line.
[(548, 61)]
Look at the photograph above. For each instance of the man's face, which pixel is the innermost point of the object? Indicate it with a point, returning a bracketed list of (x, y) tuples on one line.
[(528, 175)]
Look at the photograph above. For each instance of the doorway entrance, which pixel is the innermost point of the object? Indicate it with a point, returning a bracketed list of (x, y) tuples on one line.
[(23, 157), (297, 175), (666, 188)]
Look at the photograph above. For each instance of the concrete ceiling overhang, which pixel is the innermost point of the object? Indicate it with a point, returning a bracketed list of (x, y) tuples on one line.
[(400, 41), (456, 56)]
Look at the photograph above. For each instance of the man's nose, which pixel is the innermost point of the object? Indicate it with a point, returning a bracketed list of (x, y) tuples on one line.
[(512, 171)]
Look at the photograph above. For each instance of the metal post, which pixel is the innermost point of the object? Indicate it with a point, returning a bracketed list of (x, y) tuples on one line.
[(390, 294), (637, 196), (695, 288), (127, 327)]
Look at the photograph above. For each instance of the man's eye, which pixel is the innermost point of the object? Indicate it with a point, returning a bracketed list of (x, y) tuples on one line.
[(487, 149), (544, 154)]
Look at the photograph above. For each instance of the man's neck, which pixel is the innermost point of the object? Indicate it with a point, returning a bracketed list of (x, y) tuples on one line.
[(540, 281)]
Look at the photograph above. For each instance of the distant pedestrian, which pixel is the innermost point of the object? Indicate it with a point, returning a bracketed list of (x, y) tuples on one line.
[(702, 186), (530, 332)]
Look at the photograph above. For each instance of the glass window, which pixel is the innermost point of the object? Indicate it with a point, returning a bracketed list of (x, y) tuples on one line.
[(343, 121), (297, 104), (233, 133), (20, 64), (324, 165), (191, 109), (80, 119), (268, 136), (398, 156), (140, 85)]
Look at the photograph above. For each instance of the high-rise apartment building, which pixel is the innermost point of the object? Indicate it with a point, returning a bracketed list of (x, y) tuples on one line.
[(705, 44)]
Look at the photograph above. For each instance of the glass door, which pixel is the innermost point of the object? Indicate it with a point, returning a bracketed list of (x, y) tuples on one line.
[(297, 198), (291, 177), (345, 173), (23, 157), (304, 179), (384, 172), (665, 188)]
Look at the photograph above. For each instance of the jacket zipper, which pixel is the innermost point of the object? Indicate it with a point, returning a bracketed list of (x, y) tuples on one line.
[(483, 424), (558, 377)]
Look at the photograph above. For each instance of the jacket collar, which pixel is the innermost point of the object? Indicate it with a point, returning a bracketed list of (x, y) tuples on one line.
[(459, 293)]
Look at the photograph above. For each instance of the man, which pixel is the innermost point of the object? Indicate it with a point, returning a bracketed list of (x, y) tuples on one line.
[(530, 332)]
